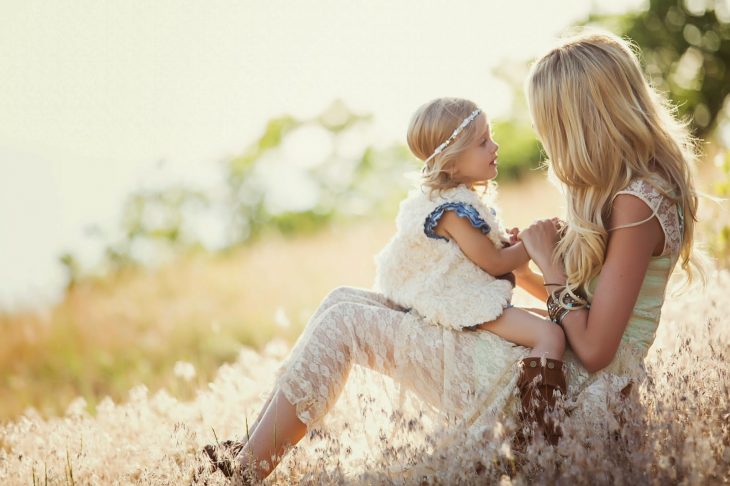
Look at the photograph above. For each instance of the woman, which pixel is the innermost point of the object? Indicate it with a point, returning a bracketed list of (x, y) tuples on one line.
[(623, 163)]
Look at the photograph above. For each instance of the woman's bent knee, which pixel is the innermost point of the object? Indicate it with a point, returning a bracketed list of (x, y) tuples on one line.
[(342, 293)]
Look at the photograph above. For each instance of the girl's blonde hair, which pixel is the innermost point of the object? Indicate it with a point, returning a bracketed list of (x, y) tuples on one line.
[(431, 124), (602, 124)]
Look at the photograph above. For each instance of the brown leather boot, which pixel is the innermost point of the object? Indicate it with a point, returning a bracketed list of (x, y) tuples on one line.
[(222, 456), (538, 397)]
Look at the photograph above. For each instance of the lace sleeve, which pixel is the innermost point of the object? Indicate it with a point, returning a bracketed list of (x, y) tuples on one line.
[(667, 212), (462, 209)]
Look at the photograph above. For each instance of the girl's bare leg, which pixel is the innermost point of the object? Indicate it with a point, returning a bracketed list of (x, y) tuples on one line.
[(526, 329), (535, 310)]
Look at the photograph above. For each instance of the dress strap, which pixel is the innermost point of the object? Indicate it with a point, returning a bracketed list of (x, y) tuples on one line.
[(645, 195), (670, 218), (631, 225)]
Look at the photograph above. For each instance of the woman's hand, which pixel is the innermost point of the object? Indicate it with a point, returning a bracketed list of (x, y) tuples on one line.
[(540, 239)]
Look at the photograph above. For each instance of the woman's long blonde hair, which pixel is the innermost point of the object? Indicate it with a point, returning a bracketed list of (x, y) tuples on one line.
[(431, 124), (602, 124)]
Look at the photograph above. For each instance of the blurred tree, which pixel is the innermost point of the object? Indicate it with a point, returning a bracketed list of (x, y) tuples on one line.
[(71, 268), (344, 183), (519, 149), (348, 177), (352, 178), (685, 46), (719, 242)]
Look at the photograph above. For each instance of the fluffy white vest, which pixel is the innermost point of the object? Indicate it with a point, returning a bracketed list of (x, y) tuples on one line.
[(433, 276)]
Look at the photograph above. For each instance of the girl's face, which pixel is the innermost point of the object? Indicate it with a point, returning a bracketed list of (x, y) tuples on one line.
[(479, 162)]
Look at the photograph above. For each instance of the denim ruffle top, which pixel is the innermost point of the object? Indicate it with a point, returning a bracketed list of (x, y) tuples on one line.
[(462, 209)]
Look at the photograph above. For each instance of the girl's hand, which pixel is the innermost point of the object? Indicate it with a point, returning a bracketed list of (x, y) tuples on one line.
[(513, 232), (539, 239)]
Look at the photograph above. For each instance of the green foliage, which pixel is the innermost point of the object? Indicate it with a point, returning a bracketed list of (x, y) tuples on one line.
[(71, 267), (685, 47), (720, 242), (346, 186), (519, 150), (299, 222), (160, 214)]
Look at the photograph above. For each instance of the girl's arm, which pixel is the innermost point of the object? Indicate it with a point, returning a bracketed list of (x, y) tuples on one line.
[(595, 334), (533, 283), (479, 248), (530, 281)]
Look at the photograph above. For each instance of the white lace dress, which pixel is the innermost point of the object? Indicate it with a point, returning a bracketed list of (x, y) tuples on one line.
[(469, 376)]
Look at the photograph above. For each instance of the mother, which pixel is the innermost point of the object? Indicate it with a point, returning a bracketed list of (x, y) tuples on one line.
[(623, 163)]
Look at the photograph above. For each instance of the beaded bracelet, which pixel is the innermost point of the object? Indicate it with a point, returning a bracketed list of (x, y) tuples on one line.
[(558, 310)]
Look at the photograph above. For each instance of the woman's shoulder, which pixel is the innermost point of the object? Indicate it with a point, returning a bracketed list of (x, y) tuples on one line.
[(652, 189), (659, 196)]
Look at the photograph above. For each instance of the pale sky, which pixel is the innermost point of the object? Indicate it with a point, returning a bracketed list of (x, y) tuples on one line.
[(95, 94)]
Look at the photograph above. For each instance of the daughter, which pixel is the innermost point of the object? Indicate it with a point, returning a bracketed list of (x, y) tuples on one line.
[(442, 263), (451, 261)]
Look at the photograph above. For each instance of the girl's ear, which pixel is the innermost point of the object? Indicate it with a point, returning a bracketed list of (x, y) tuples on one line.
[(453, 170)]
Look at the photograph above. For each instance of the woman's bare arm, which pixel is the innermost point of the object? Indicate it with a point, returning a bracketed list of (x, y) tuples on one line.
[(595, 334), (533, 283)]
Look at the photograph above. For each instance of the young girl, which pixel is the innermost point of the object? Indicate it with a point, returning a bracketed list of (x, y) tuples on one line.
[(451, 260)]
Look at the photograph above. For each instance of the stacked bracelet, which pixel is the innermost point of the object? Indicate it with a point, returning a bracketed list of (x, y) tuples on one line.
[(558, 309)]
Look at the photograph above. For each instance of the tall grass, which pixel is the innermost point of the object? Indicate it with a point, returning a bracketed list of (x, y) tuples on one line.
[(676, 429)]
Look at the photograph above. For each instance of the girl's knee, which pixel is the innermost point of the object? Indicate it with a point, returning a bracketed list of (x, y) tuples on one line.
[(336, 319)]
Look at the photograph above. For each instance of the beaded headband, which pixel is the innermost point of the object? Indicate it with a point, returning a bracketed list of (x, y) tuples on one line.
[(454, 134)]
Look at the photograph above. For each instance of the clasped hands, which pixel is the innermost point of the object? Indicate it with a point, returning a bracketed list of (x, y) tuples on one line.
[(539, 239)]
